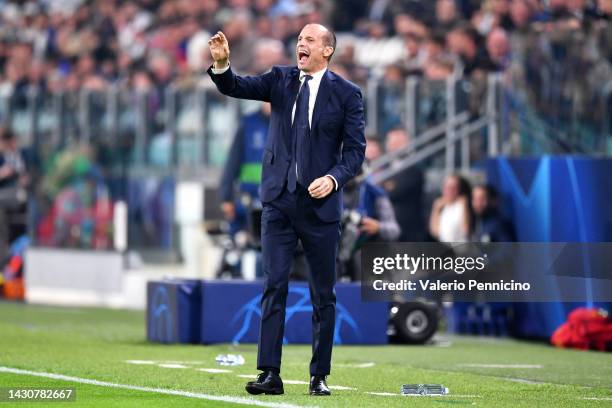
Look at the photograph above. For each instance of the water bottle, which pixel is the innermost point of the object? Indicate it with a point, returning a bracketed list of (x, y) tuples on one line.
[(424, 389)]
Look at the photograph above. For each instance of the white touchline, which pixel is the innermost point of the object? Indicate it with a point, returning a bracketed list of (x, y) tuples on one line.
[(597, 398), (165, 363), (441, 343), (213, 370), (445, 396), (341, 387), (140, 362), (223, 398), (383, 394), (172, 365), (360, 365), (502, 365), (522, 380), (149, 362)]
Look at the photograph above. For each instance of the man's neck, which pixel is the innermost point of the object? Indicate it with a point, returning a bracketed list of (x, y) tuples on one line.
[(314, 72)]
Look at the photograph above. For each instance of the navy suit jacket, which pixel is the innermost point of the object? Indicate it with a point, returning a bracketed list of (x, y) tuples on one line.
[(336, 145)]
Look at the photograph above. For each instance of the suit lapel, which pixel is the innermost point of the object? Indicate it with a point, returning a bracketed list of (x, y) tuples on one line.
[(322, 97), (293, 86)]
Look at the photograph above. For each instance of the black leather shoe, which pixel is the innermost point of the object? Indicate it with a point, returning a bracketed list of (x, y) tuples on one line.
[(267, 383), (318, 386)]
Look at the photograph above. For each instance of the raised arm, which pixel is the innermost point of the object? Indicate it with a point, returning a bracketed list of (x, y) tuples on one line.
[(247, 87)]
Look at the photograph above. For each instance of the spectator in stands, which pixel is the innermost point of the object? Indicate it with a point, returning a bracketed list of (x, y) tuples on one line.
[(520, 14), (405, 190), (374, 148), (489, 225), (376, 222), (498, 49), (239, 187), (446, 14), (434, 44), (493, 13), (464, 42), (602, 31), (267, 52), (415, 56), (13, 170), (390, 95), (450, 217), (111, 39), (14, 180), (438, 68), (560, 52), (237, 28)]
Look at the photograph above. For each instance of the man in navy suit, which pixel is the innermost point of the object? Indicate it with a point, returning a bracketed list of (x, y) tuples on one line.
[(315, 145)]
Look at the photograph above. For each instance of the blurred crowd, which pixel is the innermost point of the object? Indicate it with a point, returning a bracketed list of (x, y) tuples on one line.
[(69, 44), (557, 54)]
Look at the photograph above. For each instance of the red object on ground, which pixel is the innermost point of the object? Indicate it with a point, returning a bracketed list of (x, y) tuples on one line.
[(585, 329), (14, 287)]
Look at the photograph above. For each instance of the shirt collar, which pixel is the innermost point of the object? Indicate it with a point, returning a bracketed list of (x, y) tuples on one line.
[(315, 76)]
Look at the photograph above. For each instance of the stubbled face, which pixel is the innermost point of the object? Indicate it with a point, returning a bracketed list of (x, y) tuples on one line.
[(311, 51)]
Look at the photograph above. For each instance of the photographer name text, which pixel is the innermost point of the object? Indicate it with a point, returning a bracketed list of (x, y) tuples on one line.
[(442, 286)]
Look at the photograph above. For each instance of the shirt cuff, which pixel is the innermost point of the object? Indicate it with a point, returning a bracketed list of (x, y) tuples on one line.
[(218, 71), (335, 181)]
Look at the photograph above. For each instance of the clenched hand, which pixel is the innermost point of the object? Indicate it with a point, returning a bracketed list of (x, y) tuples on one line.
[(321, 187)]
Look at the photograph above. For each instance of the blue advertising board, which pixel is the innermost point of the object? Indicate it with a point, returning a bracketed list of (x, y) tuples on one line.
[(231, 313), (553, 199), (173, 311)]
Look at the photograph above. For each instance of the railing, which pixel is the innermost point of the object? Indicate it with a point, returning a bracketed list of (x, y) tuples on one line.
[(135, 136), (465, 121), (186, 130), (189, 130), (455, 128)]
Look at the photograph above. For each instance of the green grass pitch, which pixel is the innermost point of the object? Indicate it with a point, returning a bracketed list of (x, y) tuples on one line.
[(96, 344)]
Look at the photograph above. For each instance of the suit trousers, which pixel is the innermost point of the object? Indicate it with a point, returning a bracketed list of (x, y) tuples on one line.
[(284, 220)]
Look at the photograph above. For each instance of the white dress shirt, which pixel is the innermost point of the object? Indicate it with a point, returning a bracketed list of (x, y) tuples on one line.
[(314, 85)]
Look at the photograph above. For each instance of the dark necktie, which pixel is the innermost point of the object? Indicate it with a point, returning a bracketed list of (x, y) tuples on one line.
[(300, 130)]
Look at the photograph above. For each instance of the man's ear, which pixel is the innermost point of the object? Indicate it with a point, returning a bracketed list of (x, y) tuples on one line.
[(328, 51)]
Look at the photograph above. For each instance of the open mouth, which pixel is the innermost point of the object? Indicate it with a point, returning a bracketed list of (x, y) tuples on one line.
[(303, 56)]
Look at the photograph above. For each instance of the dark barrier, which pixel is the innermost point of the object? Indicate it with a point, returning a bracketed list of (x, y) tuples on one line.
[(228, 312), (231, 313), (173, 311)]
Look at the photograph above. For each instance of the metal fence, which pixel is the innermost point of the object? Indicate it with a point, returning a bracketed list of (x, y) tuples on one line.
[(141, 142)]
